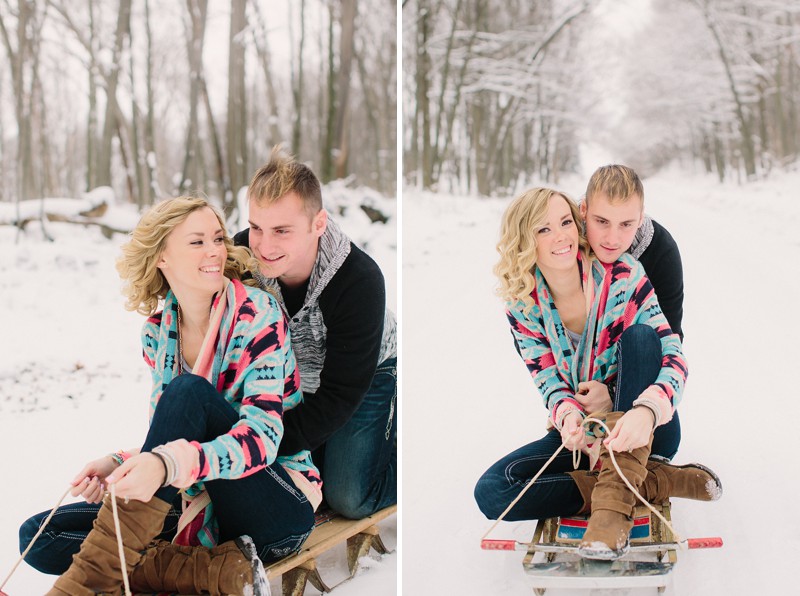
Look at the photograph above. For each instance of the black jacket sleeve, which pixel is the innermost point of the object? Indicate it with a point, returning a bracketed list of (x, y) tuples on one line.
[(662, 264), (353, 306)]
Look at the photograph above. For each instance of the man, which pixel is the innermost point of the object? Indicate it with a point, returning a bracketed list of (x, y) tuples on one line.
[(613, 211), (343, 336)]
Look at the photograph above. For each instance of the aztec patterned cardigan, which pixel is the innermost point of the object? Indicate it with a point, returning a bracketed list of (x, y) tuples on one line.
[(254, 369), (622, 296)]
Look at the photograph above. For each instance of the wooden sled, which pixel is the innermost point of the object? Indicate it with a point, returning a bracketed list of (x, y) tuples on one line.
[(556, 535), (330, 530)]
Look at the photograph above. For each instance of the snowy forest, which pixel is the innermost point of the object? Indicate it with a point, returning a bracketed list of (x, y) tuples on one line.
[(156, 99), (496, 94)]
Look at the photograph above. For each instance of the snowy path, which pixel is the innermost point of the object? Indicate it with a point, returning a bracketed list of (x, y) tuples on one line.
[(468, 399)]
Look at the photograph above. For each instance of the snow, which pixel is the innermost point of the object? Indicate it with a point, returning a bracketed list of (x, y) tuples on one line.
[(72, 382), (468, 399)]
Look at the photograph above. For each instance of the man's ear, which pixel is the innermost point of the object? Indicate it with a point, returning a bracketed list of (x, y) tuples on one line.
[(582, 208), (320, 223)]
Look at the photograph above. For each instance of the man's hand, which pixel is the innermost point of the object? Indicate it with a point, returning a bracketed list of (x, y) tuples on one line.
[(632, 431), (572, 434), (89, 483), (139, 477), (594, 397)]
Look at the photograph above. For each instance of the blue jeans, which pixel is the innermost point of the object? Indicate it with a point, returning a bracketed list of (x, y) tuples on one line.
[(555, 493), (359, 462), (266, 505)]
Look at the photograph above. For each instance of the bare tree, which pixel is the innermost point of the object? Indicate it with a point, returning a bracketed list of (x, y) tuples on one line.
[(237, 114), (197, 11)]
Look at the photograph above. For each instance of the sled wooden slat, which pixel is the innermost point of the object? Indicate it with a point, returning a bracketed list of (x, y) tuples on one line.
[(360, 535)]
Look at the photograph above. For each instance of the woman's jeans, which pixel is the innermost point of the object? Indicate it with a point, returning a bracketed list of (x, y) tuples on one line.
[(555, 493), (359, 461), (265, 505)]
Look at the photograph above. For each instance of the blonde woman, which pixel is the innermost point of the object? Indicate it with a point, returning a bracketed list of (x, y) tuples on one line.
[(223, 374), (591, 334)]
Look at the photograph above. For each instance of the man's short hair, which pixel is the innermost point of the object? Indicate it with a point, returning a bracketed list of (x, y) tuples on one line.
[(281, 175), (618, 183)]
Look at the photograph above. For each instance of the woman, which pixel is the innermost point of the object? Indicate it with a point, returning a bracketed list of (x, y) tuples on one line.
[(595, 340), (223, 374)]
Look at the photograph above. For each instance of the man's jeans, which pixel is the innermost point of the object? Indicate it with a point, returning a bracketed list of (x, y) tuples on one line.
[(555, 493), (265, 505), (359, 462)]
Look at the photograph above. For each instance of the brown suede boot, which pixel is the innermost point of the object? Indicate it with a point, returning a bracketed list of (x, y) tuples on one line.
[(97, 569), (663, 482), (690, 481), (230, 568), (611, 521)]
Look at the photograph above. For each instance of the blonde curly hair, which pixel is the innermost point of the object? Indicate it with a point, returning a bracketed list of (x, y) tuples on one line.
[(517, 245), (144, 283)]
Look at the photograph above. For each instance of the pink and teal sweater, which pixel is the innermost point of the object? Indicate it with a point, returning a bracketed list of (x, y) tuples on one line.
[(623, 296), (254, 369)]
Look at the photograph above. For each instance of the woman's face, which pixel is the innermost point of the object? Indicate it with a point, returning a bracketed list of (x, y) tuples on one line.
[(557, 238), (193, 259)]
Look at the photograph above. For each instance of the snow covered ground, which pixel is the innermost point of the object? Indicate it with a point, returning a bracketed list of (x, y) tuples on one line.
[(468, 400), (72, 382)]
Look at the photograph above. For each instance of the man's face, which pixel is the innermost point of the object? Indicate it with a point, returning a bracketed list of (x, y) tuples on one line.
[(285, 238), (611, 227)]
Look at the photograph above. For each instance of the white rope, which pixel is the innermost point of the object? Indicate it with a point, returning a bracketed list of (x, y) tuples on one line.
[(35, 537), (47, 520), (575, 460), (119, 541)]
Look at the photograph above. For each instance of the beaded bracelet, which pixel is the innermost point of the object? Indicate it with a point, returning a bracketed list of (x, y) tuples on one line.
[(120, 456)]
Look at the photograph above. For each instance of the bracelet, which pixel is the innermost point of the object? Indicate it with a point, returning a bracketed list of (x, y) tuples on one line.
[(170, 464), (120, 457), (163, 463)]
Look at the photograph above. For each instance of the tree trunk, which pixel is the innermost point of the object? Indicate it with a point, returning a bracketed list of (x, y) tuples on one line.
[(346, 41), (191, 166), (747, 144), (298, 92), (91, 127), (219, 160), (330, 115), (423, 96), (265, 58), (149, 131), (110, 125), (237, 112)]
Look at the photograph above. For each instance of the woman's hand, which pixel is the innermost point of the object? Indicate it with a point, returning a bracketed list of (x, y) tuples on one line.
[(572, 434), (594, 397), (632, 431), (139, 477), (90, 481)]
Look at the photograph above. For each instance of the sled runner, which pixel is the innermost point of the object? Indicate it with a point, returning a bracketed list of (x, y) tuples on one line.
[(330, 530), (649, 563)]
